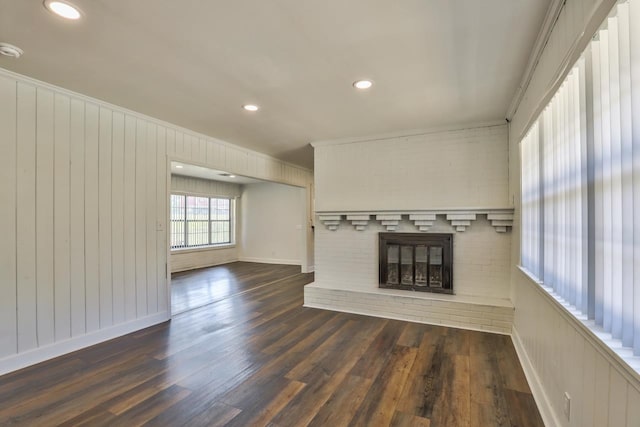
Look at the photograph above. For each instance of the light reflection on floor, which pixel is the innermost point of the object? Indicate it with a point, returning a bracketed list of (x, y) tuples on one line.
[(198, 288), (199, 294)]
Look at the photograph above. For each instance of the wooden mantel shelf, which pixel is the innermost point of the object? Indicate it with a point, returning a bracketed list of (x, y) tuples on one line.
[(501, 218)]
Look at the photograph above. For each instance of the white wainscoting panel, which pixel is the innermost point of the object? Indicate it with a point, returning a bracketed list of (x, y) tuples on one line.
[(558, 356), (84, 216)]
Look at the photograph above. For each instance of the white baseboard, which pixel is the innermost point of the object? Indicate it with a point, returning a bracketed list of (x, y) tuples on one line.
[(271, 260), (37, 355), (549, 416), (204, 265), (435, 309)]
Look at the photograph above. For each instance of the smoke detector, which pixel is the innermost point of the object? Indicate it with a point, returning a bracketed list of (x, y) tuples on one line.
[(10, 50)]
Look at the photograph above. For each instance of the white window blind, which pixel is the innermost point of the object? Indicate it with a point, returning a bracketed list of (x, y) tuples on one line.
[(581, 183)]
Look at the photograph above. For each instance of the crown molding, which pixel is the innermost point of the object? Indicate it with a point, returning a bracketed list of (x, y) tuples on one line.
[(408, 133), (549, 23)]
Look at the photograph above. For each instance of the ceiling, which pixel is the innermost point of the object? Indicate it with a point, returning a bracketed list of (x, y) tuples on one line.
[(194, 63)]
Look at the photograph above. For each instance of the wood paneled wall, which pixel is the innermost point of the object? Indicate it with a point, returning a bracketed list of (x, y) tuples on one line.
[(556, 353), (559, 356), (83, 211), (205, 187)]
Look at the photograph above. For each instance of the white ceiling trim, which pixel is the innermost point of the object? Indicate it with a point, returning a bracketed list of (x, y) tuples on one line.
[(550, 20), (86, 98), (406, 134), (593, 22)]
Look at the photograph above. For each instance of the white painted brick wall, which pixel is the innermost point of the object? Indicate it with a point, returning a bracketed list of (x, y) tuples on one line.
[(433, 311), (456, 169), (348, 259)]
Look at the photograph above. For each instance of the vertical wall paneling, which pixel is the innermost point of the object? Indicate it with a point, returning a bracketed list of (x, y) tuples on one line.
[(195, 148), (183, 184), (161, 215), (633, 406), (221, 156), (26, 217), (203, 149), (187, 146), (171, 142), (84, 217), (212, 153), (141, 224), (91, 200), (130, 234), (104, 222), (617, 399), (61, 231), (179, 144), (152, 259), (8, 290), (44, 215), (589, 386), (574, 349), (76, 217), (117, 217)]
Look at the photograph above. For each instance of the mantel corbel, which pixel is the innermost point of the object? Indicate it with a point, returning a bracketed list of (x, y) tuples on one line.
[(390, 221), (460, 221), (500, 218), (332, 222), (423, 221), (359, 221), (500, 221)]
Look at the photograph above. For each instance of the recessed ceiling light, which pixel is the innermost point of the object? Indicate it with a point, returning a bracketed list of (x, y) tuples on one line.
[(63, 9), (10, 50), (232, 176), (363, 84), (179, 166), (251, 107)]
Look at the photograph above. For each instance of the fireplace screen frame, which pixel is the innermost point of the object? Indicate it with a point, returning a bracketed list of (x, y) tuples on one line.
[(430, 240)]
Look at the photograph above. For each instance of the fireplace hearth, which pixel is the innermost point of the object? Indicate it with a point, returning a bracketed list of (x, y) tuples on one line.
[(416, 261)]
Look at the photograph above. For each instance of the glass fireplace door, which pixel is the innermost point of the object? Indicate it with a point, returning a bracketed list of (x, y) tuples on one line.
[(419, 262)]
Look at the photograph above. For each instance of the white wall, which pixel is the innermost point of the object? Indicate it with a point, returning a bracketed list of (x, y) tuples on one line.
[(273, 223), (205, 187), (455, 169), (462, 169), (188, 259), (558, 354), (83, 216)]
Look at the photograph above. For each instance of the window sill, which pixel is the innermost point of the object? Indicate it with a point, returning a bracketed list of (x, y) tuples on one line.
[(202, 248), (608, 346)]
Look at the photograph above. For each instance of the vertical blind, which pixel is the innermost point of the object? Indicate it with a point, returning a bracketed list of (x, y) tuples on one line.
[(200, 221), (581, 182)]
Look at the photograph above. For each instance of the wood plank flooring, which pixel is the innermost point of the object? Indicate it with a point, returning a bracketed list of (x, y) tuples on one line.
[(197, 288), (261, 359)]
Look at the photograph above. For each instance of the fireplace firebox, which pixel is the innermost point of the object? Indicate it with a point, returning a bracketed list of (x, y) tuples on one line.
[(416, 261)]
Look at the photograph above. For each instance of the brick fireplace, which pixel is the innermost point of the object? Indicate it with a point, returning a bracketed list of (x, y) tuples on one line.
[(443, 183)]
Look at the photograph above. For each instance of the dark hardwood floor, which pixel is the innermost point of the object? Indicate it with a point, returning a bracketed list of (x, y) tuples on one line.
[(259, 358), (197, 288)]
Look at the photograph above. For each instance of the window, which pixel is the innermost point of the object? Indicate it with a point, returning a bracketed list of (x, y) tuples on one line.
[(200, 221), (581, 184)]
